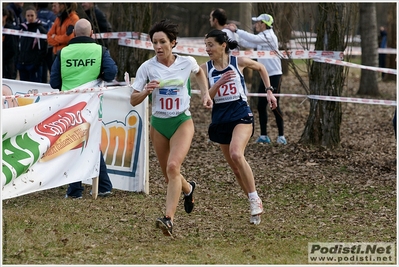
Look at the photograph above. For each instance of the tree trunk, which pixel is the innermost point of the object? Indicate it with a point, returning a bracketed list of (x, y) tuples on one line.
[(369, 46), (391, 30), (135, 17), (245, 19), (245, 15), (324, 121)]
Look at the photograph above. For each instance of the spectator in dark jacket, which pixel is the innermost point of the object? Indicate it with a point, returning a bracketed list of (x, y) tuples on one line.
[(16, 15), (382, 43), (47, 17), (16, 18), (98, 21), (10, 48), (32, 51)]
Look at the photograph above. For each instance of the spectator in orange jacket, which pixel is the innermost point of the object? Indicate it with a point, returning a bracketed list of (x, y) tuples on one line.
[(62, 30)]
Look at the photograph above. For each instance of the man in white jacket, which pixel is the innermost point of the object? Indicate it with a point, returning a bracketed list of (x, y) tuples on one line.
[(265, 40)]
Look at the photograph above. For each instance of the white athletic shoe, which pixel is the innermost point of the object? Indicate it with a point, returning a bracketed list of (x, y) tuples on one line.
[(281, 140), (255, 219), (256, 206)]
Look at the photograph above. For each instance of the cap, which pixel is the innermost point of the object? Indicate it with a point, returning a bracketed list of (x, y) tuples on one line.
[(265, 18)]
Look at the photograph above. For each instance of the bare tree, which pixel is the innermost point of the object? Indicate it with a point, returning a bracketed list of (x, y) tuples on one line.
[(129, 17), (324, 120), (369, 46)]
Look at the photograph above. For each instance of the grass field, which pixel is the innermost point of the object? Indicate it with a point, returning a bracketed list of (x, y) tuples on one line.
[(309, 195)]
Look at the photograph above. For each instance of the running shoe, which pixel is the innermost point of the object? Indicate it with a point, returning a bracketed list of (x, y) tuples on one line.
[(255, 219), (281, 140), (73, 197), (165, 224), (189, 200), (263, 139), (102, 194), (256, 206)]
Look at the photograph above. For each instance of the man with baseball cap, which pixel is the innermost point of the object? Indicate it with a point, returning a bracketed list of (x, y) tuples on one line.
[(265, 40), (265, 18)]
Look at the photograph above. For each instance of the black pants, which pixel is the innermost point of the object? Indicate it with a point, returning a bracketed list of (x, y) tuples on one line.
[(47, 63), (263, 106), (394, 122)]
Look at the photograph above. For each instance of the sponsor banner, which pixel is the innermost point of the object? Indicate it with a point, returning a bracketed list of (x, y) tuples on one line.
[(123, 130), (125, 139), (58, 148), (350, 253)]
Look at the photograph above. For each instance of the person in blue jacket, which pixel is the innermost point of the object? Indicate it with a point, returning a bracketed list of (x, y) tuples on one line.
[(100, 65), (98, 21), (47, 18)]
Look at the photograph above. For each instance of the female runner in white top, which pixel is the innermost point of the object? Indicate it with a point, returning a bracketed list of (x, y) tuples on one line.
[(165, 76)]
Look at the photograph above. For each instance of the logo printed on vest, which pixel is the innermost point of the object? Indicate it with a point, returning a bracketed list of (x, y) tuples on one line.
[(80, 62)]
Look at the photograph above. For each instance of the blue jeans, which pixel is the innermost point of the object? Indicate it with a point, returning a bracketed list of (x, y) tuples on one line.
[(104, 183)]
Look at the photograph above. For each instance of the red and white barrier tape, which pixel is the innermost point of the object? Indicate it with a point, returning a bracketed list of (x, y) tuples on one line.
[(353, 100), (327, 98), (190, 46), (56, 92), (105, 35), (200, 51), (187, 41), (317, 97), (348, 64)]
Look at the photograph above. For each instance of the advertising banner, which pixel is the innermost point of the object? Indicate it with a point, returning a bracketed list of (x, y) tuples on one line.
[(52, 138)]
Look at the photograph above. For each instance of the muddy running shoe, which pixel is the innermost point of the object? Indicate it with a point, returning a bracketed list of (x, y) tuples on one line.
[(165, 224), (73, 197), (189, 200), (256, 206), (102, 194), (263, 139), (255, 219)]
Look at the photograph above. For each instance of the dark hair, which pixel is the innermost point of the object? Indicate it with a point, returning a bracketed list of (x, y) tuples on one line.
[(42, 5), (220, 15), (6, 13), (31, 8), (221, 37), (166, 26), (70, 7)]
